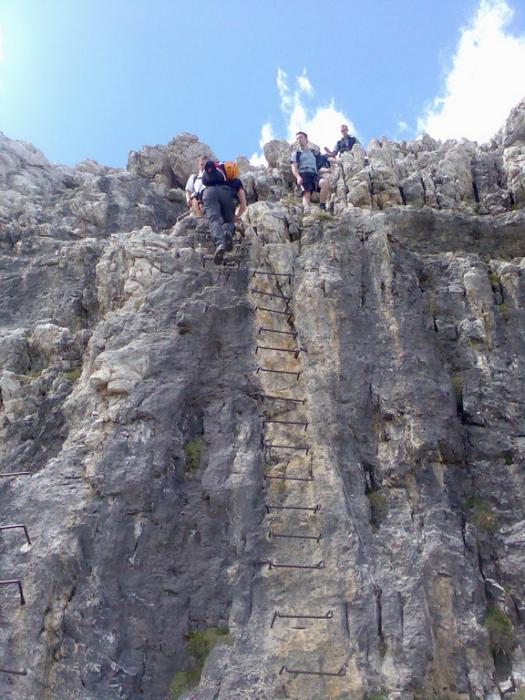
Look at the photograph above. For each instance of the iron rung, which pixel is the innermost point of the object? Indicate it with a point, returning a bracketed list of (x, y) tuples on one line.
[(285, 422), (281, 398), (297, 671), (282, 616), (13, 672), (299, 448), (314, 509), (274, 330), (287, 535), (13, 527), (275, 311), (16, 474), (273, 274), (17, 582), (278, 371), (254, 290), (288, 478), (273, 565), (294, 351)]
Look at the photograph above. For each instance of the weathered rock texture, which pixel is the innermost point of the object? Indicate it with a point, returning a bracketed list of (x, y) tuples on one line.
[(122, 357)]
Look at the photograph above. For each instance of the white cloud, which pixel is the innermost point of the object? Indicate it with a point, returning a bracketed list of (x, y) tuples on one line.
[(266, 135), (304, 83), (484, 82), (321, 123), (2, 52), (402, 126)]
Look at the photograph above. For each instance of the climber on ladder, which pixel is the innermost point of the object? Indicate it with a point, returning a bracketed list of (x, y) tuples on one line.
[(224, 202)]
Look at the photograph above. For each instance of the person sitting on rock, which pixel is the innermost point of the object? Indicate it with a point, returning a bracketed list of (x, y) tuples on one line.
[(223, 193), (305, 171), (194, 189), (344, 144)]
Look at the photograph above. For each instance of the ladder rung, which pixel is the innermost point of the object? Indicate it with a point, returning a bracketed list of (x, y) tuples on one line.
[(297, 671), (278, 371), (274, 330), (281, 398), (273, 565), (285, 422), (287, 535), (275, 311), (254, 290)]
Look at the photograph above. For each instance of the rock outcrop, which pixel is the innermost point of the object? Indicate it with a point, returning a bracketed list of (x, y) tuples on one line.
[(314, 456)]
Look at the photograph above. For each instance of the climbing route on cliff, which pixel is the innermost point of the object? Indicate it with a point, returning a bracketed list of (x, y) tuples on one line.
[(302, 630), (14, 582)]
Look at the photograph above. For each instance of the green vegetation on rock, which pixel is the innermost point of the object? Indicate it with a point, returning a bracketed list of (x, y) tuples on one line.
[(378, 508), (193, 451), (73, 374), (481, 514), (500, 629), (200, 643), (457, 383)]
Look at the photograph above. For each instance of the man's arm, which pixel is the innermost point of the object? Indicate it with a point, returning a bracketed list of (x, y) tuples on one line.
[(189, 189), (241, 194), (296, 173)]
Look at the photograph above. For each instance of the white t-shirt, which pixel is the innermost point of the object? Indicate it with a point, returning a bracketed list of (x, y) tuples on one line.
[(194, 185)]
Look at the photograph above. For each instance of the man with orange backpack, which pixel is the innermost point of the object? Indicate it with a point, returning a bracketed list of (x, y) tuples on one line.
[(222, 195)]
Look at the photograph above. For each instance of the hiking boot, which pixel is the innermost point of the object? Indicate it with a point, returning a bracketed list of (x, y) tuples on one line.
[(219, 254), (322, 206), (228, 243)]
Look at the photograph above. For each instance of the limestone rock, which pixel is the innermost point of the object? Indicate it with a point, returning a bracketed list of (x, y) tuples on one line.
[(166, 478)]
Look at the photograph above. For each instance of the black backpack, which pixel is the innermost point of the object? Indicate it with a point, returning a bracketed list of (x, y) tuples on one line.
[(213, 175), (321, 161)]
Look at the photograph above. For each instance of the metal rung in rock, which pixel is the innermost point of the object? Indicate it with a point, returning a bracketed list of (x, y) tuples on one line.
[(285, 422), (273, 274), (273, 565), (281, 398), (295, 351), (16, 474), (297, 671), (17, 582), (279, 371), (14, 527), (13, 672), (314, 509), (231, 263), (298, 448), (282, 477), (287, 535), (275, 311), (284, 616), (274, 330), (254, 290)]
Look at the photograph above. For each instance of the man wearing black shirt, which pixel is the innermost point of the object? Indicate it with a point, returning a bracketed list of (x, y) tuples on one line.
[(221, 197), (344, 144)]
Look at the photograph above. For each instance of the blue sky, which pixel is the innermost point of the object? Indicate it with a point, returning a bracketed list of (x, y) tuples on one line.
[(98, 78)]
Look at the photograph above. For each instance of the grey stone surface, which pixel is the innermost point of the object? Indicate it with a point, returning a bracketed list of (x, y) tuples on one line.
[(121, 354)]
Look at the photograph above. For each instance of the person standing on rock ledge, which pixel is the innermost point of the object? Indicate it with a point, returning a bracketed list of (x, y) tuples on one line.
[(304, 169), (344, 144), (222, 194), (194, 188)]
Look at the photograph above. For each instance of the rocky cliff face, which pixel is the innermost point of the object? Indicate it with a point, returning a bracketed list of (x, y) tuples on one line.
[(315, 456)]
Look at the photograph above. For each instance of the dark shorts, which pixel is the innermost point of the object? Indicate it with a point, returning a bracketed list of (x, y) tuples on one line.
[(310, 182)]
